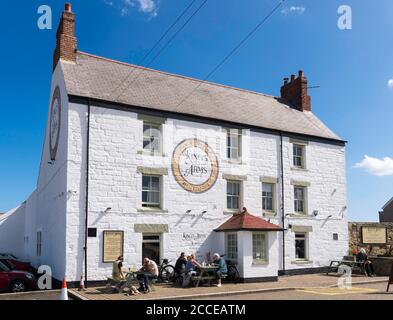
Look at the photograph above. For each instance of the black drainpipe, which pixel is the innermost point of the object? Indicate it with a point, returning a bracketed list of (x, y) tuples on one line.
[(282, 203), (87, 186)]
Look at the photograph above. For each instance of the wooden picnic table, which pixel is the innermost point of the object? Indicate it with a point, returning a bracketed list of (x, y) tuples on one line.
[(205, 274)]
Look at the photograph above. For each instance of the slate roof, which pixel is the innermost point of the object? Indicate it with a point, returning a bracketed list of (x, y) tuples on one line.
[(103, 79), (246, 221)]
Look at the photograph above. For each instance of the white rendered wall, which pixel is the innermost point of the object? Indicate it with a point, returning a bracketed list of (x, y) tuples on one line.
[(116, 138), (12, 225)]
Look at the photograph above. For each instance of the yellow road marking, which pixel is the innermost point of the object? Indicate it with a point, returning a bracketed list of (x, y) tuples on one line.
[(337, 291)]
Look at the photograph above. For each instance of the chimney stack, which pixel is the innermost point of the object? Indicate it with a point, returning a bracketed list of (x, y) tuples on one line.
[(294, 92), (66, 43)]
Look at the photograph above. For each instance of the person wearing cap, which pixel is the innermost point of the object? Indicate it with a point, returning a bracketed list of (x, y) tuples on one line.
[(222, 267)]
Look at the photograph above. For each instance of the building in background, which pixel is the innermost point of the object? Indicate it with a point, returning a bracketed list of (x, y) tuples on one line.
[(386, 215), (146, 163)]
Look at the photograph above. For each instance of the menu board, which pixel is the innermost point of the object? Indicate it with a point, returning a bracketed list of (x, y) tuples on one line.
[(373, 235), (113, 245)]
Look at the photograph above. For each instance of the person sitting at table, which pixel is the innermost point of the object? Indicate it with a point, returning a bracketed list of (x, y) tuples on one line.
[(149, 271), (222, 267), (180, 265), (117, 272), (192, 266), (368, 265)]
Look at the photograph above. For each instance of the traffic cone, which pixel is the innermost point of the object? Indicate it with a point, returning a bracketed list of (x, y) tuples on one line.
[(81, 285), (64, 291)]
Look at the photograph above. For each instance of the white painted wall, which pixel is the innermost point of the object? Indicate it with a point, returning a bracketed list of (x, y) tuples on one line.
[(116, 138), (12, 226)]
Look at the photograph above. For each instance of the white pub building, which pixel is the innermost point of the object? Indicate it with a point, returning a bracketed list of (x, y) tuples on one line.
[(141, 162)]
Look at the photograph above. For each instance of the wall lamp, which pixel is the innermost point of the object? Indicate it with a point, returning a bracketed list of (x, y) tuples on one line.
[(188, 211), (107, 210), (203, 212), (315, 213)]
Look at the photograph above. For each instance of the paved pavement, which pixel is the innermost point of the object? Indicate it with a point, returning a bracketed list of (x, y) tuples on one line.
[(36, 295), (376, 291), (172, 292)]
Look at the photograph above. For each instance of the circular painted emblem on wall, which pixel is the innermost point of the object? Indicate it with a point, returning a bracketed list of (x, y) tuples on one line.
[(54, 126), (195, 165)]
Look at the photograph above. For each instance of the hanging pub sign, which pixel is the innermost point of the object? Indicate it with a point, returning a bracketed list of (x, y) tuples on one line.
[(113, 245), (195, 165), (374, 235)]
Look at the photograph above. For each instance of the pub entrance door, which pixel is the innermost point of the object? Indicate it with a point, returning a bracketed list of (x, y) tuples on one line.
[(151, 247)]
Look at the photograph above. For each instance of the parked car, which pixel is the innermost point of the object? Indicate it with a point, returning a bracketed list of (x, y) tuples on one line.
[(16, 280), (8, 255), (15, 264)]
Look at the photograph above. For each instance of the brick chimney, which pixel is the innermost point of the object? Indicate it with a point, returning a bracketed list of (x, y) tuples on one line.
[(66, 42), (294, 92)]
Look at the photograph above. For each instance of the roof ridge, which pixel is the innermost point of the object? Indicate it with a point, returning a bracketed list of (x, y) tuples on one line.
[(178, 75)]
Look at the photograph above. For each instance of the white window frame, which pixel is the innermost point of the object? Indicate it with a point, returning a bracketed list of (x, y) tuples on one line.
[(266, 248), (240, 183), (302, 157), (152, 125), (274, 186), (152, 205), (230, 255), (237, 134), (306, 256), (295, 200)]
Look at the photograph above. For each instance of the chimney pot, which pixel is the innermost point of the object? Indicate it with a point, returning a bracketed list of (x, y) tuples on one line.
[(67, 7), (295, 94)]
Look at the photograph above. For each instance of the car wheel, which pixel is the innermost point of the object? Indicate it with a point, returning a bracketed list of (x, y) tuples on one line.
[(18, 286)]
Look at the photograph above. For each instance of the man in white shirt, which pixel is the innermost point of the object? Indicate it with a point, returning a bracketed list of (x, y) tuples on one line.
[(149, 272)]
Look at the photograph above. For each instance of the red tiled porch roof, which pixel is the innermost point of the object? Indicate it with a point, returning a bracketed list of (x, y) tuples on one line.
[(246, 221)]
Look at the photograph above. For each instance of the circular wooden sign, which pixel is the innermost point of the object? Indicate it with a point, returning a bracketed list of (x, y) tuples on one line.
[(54, 125), (195, 165)]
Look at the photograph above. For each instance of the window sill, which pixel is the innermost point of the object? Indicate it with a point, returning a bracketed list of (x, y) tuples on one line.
[(299, 169), (299, 215), (233, 161), (152, 154), (152, 210), (267, 213), (230, 211), (260, 263), (301, 262)]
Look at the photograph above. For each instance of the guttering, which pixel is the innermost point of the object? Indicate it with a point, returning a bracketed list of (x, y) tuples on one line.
[(87, 184), (282, 202)]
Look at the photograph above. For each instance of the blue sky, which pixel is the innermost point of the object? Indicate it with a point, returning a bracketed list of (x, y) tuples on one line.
[(352, 68)]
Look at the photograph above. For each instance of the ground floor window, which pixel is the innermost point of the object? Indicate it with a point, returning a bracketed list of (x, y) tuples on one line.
[(301, 246), (151, 247), (259, 247), (231, 246)]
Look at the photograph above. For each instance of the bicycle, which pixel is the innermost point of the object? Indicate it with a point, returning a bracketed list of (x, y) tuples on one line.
[(233, 274), (166, 271)]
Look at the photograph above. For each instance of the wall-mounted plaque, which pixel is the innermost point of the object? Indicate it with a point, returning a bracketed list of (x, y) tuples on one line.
[(374, 235), (195, 165), (113, 245)]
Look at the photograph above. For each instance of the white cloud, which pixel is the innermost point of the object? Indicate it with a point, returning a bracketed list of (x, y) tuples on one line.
[(390, 83), (293, 9), (375, 166), (149, 7)]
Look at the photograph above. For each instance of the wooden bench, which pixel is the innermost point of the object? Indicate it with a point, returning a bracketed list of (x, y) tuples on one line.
[(349, 261)]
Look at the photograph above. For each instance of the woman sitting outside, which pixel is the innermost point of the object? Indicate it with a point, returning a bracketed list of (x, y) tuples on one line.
[(192, 267)]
